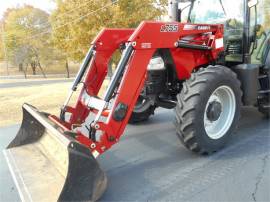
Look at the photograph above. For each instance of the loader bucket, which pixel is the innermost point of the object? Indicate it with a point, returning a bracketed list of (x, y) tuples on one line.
[(47, 165)]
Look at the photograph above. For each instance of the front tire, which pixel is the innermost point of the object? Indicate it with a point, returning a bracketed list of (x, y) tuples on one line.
[(208, 109)]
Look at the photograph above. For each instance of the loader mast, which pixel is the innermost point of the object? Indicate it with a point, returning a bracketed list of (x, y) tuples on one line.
[(112, 111)]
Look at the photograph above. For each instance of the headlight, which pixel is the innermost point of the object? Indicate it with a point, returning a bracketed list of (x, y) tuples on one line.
[(156, 63)]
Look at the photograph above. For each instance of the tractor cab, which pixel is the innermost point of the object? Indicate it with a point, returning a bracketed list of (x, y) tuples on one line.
[(246, 26)]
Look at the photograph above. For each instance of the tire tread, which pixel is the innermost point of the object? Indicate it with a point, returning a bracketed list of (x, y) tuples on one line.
[(185, 112)]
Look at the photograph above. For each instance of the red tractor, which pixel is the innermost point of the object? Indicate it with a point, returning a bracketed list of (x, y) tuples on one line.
[(200, 70)]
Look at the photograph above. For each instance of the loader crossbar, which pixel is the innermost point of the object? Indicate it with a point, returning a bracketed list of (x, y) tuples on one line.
[(113, 110)]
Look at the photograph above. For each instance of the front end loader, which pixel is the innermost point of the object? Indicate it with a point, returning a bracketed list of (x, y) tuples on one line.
[(53, 158), (49, 166)]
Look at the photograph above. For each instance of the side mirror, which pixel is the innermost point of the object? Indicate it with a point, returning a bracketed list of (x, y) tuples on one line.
[(252, 3)]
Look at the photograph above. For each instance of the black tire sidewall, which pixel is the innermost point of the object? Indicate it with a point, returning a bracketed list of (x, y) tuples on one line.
[(137, 117), (214, 83)]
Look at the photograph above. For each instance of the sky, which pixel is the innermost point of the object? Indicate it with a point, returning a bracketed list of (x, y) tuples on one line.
[(46, 5)]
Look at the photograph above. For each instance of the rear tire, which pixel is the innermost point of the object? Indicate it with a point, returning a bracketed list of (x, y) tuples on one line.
[(263, 104), (208, 109), (264, 108), (142, 111)]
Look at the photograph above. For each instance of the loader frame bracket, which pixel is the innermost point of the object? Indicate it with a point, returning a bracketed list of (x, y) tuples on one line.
[(130, 74)]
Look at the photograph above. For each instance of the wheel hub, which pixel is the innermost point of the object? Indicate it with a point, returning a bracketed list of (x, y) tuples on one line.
[(214, 110), (219, 112)]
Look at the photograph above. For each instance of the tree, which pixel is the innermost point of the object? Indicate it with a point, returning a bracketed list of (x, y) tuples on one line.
[(131, 13), (266, 7), (76, 22), (1, 43), (73, 29), (28, 33)]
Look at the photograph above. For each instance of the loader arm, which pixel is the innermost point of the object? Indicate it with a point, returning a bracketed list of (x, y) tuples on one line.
[(140, 45)]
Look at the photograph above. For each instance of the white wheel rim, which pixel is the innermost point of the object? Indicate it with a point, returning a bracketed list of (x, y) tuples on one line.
[(224, 95)]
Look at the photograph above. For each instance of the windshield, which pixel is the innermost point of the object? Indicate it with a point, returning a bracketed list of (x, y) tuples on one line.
[(216, 11)]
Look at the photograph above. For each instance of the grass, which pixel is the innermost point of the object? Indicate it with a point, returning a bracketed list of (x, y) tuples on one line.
[(49, 98), (45, 97)]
